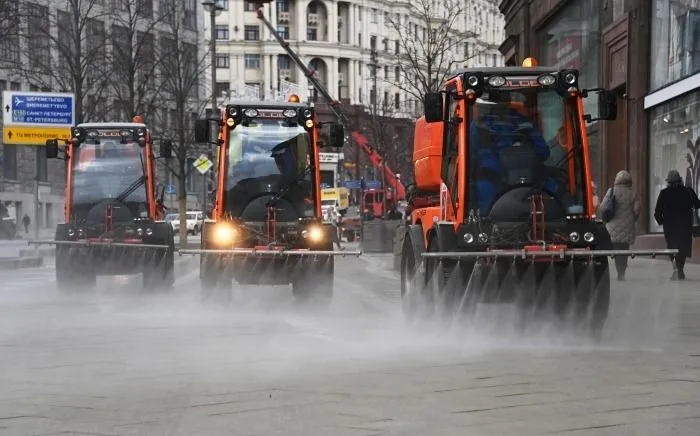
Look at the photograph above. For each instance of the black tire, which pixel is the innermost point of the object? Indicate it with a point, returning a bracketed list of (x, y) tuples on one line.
[(71, 276), (160, 270), (215, 282), (412, 284), (315, 285)]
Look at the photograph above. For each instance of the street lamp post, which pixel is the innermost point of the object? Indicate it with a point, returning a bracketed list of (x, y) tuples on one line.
[(214, 9)]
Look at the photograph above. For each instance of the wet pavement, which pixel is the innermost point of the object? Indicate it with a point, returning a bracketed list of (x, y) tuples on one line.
[(121, 361)]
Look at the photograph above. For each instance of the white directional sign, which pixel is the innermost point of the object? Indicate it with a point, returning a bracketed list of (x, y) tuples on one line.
[(203, 164), (38, 109), (30, 118)]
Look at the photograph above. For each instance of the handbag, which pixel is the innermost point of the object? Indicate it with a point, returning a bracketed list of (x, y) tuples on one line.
[(696, 222), (609, 210)]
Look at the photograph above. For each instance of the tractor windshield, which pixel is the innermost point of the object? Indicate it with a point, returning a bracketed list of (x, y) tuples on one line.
[(269, 158), (108, 172), (524, 141)]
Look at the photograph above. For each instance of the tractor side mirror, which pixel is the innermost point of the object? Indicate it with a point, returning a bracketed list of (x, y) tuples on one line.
[(607, 105), (166, 148), (52, 148), (433, 107), (201, 131), (337, 135)]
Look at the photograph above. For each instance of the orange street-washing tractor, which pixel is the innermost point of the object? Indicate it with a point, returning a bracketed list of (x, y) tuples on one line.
[(112, 220), (503, 210), (267, 225)]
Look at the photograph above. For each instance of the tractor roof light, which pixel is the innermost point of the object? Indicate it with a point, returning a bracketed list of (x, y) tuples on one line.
[(547, 80), (497, 81), (293, 98), (530, 62), (251, 113), (232, 111)]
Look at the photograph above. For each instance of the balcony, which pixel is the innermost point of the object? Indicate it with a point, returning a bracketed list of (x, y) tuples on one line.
[(312, 19), (284, 17)]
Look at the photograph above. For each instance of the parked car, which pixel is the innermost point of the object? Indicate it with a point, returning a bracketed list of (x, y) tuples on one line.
[(195, 219)]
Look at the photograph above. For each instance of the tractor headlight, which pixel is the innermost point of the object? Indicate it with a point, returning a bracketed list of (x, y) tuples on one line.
[(149, 231), (225, 234), (139, 231), (574, 236), (314, 233), (483, 238), (588, 237), (468, 238), (71, 232)]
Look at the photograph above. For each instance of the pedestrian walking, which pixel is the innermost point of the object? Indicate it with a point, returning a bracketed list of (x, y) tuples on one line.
[(676, 211), (333, 218), (26, 221), (622, 222)]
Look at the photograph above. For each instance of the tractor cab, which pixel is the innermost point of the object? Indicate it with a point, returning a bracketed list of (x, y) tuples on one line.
[(524, 137)]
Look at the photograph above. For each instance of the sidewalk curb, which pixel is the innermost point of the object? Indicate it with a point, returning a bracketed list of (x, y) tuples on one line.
[(9, 263)]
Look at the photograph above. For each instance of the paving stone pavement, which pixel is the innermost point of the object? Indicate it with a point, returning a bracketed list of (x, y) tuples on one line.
[(118, 362)]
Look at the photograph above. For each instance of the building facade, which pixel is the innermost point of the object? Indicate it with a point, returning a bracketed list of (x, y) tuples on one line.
[(30, 56), (336, 39), (672, 103)]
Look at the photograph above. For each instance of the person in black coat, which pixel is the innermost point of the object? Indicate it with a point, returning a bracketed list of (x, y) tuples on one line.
[(674, 211)]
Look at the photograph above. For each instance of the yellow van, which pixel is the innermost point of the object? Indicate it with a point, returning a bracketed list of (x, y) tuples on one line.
[(338, 197)]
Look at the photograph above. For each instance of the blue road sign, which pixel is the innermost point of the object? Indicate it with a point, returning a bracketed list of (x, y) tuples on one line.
[(352, 184), (39, 109), (170, 189), (373, 184)]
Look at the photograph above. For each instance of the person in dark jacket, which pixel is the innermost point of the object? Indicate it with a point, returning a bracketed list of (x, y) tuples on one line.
[(674, 211)]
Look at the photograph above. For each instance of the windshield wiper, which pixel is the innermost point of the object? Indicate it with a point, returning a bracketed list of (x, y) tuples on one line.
[(286, 187), (130, 189)]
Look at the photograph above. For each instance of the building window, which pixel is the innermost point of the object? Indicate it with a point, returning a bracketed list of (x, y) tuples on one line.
[(283, 6), (283, 32), (222, 61), (223, 4), (252, 33), (674, 133), (221, 31), (675, 36), (249, 6), (397, 100), (221, 87), (9, 162), (397, 47), (374, 15), (397, 73), (252, 62), (284, 62), (311, 34)]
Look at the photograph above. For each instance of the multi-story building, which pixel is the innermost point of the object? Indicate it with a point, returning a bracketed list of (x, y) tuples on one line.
[(337, 38), (31, 60)]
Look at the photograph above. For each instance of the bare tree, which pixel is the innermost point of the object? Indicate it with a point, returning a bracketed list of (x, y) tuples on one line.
[(391, 136), (134, 59), (9, 29), (428, 55), (67, 51), (182, 67)]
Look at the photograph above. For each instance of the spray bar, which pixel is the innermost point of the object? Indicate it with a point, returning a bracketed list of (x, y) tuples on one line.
[(253, 251), (550, 253), (98, 244)]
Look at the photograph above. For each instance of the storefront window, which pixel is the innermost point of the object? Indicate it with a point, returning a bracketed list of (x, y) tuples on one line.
[(675, 41), (572, 40), (674, 143)]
